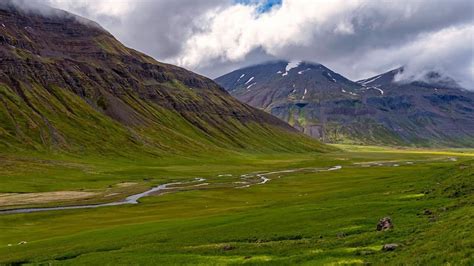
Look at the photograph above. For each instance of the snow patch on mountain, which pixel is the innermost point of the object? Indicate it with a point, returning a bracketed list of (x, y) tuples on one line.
[(249, 86), (301, 72), (329, 74), (304, 94), (367, 81), (377, 88), (241, 76), (248, 81), (290, 66)]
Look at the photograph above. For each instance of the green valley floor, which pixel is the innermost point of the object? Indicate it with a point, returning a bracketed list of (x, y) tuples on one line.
[(256, 209)]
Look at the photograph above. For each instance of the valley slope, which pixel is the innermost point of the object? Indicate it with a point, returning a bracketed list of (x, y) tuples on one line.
[(66, 84)]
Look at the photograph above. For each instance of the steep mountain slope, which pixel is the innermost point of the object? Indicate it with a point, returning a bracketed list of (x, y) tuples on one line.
[(67, 84), (271, 84), (377, 110)]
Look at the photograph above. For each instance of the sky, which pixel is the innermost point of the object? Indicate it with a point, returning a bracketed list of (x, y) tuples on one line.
[(356, 38)]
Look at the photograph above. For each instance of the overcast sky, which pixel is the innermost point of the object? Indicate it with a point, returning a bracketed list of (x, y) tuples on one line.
[(357, 38)]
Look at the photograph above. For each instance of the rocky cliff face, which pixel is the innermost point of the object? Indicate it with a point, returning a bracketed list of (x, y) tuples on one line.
[(378, 110), (66, 83)]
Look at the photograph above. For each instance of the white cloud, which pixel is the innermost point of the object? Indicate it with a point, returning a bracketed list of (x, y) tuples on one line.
[(449, 51), (232, 33), (96, 8), (357, 38)]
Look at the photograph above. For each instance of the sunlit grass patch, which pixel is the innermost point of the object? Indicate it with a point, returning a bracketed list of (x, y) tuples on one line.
[(412, 196), (346, 262)]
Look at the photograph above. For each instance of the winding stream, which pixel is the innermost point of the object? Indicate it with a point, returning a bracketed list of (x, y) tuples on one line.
[(133, 199)]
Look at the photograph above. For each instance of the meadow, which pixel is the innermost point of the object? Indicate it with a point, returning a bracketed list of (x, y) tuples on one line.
[(314, 209)]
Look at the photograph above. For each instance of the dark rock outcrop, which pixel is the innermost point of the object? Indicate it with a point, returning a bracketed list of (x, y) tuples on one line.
[(384, 224)]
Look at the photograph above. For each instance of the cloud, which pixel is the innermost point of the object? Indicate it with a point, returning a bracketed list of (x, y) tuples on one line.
[(448, 51), (357, 38), (158, 28)]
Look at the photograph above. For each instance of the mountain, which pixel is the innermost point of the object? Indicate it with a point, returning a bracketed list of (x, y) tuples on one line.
[(272, 84), (380, 110), (66, 84)]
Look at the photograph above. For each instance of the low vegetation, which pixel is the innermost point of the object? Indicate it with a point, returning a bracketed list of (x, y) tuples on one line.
[(309, 216)]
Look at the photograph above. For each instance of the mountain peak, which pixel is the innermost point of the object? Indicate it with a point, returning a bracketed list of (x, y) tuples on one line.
[(297, 81), (402, 76), (37, 9), (378, 110), (427, 78)]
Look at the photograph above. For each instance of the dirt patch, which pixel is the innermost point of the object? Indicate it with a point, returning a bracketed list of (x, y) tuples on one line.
[(7, 199), (111, 194), (126, 184)]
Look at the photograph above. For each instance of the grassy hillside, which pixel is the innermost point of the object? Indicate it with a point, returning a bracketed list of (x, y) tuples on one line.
[(70, 86), (60, 120)]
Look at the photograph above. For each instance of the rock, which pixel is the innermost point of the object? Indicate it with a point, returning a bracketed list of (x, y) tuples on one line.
[(341, 235), (390, 247), (427, 212), (22, 243), (385, 224), (228, 247)]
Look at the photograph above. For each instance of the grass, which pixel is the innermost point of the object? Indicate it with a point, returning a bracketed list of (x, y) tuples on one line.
[(306, 217)]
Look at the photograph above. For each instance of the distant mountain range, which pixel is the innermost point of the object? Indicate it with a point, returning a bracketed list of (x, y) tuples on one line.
[(66, 84), (379, 110)]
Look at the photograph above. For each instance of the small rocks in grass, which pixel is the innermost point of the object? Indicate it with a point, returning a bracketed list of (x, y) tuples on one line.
[(427, 212), (228, 247), (390, 247), (341, 235), (385, 224), (22, 243)]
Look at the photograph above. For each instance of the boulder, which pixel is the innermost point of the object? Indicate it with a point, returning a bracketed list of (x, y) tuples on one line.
[(385, 224), (390, 247), (341, 235), (228, 247)]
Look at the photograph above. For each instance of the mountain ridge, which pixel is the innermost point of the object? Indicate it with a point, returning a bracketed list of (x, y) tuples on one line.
[(376, 110), (67, 85)]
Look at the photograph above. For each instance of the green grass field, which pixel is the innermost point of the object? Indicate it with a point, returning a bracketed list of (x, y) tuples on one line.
[(309, 216)]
